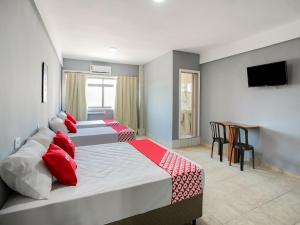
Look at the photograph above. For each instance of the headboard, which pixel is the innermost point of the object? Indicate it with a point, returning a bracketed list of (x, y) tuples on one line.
[(4, 193)]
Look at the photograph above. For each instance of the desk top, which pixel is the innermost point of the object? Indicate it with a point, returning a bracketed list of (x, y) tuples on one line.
[(231, 123)]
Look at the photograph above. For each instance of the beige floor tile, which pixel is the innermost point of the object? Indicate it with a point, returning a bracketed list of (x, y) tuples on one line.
[(258, 217), (208, 220), (285, 208), (251, 197), (242, 220)]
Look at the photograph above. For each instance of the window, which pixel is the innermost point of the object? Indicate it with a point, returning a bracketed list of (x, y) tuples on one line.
[(100, 93)]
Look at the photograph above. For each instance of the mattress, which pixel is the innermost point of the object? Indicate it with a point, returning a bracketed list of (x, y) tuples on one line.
[(115, 181), (94, 136), (90, 124), (96, 123)]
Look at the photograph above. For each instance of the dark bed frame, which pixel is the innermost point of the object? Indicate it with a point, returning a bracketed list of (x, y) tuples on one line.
[(180, 213)]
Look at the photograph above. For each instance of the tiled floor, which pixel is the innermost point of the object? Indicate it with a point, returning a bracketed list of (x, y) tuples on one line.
[(251, 197)]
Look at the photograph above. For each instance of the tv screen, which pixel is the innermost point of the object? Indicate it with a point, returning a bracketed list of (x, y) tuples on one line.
[(267, 75)]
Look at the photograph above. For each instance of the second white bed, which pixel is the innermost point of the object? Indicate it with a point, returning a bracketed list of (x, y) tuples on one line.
[(94, 136)]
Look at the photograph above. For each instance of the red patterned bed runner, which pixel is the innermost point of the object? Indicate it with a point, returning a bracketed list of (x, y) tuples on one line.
[(125, 134), (187, 178), (111, 122)]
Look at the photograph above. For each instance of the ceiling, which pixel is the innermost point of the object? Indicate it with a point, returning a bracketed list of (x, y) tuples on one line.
[(142, 30)]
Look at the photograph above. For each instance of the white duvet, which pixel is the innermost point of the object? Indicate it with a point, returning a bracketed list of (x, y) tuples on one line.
[(115, 181)]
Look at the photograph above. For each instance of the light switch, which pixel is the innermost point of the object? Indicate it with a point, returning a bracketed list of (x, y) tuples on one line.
[(17, 143)]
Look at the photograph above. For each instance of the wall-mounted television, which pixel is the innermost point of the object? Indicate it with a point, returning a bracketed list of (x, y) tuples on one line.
[(271, 74)]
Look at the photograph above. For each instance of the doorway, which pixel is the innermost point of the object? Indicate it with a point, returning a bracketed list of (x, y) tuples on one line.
[(189, 95)]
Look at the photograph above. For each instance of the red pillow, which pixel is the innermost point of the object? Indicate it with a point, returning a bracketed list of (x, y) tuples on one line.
[(72, 118), (61, 165), (63, 141), (71, 126)]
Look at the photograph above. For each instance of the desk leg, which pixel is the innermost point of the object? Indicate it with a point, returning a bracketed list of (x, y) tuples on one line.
[(232, 133)]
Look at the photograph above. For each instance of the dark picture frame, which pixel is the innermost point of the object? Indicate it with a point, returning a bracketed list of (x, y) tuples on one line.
[(44, 82)]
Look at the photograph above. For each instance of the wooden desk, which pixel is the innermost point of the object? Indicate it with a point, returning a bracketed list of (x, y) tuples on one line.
[(231, 135)]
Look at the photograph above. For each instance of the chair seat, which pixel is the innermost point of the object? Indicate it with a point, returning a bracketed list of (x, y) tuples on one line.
[(243, 146)]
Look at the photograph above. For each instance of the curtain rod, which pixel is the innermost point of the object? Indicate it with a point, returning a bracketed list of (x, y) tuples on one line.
[(90, 73)]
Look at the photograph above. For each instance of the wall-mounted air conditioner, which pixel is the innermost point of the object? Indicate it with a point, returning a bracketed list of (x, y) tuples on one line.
[(103, 70)]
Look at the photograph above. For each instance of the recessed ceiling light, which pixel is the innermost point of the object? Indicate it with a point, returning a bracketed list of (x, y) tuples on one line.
[(158, 0), (113, 49)]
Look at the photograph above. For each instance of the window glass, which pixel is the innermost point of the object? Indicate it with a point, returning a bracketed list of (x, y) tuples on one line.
[(100, 93)]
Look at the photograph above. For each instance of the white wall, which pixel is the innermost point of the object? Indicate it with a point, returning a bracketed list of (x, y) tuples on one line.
[(225, 96), (158, 83), (24, 45)]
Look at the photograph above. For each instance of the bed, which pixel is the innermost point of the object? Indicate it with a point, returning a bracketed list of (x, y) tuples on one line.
[(96, 123), (119, 183), (102, 135)]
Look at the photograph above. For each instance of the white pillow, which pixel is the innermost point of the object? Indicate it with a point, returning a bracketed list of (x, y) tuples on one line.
[(62, 115), (44, 136), (57, 124), (26, 173)]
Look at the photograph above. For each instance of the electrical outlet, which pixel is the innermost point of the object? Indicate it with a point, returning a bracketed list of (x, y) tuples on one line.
[(17, 143)]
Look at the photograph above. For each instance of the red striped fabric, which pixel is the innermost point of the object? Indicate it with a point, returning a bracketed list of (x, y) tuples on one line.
[(187, 177)]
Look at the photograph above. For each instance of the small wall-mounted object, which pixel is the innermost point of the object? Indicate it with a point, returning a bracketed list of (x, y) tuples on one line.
[(44, 82), (101, 70), (17, 143)]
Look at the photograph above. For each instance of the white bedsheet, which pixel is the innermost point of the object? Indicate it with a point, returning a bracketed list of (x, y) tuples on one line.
[(94, 136), (115, 182), (90, 124)]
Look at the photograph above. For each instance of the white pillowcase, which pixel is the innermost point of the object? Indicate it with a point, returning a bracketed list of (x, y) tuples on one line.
[(57, 124), (62, 115), (26, 173), (44, 136)]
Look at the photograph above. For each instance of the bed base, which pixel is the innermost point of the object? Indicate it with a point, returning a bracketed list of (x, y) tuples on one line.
[(177, 214)]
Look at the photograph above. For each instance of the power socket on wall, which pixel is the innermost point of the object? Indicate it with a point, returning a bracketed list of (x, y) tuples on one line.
[(17, 143)]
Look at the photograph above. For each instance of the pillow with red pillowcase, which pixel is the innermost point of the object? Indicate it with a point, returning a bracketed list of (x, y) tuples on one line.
[(61, 165), (64, 142), (71, 126), (72, 118)]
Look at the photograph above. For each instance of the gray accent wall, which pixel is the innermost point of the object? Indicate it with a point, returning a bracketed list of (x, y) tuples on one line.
[(181, 60), (158, 83), (24, 45), (225, 96), (117, 69)]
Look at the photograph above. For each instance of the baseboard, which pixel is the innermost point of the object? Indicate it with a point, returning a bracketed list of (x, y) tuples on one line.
[(186, 142), (141, 132)]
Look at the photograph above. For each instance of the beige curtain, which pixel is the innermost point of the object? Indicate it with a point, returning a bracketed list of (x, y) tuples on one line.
[(126, 101), (75, 99)]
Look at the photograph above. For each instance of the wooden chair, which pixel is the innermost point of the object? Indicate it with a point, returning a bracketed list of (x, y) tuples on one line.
[(240, 145), (216, 128)]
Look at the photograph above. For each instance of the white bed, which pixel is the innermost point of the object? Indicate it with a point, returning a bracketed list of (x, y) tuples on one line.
[(90, 124), (115, 181), (94, 136), (95, 123)]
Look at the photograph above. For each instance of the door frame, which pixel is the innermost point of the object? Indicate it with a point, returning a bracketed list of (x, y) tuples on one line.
[(196, 72)]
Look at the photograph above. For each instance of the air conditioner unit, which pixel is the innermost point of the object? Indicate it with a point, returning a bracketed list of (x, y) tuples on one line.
[(103, 70)]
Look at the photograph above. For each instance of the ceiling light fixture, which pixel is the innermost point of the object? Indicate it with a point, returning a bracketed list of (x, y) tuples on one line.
[(113, 49), (158, 1)]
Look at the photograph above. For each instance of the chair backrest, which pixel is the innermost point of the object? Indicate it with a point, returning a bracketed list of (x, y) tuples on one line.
[(236, 132), (216, 128)]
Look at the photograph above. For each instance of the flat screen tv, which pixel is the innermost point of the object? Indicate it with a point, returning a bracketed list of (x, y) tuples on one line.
[(272, 74)]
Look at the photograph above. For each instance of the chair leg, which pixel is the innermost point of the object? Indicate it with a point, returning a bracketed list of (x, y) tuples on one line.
[(212, 149), (253, 160), (194, 222), (231, 155), (242, 160), (221, 152)]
